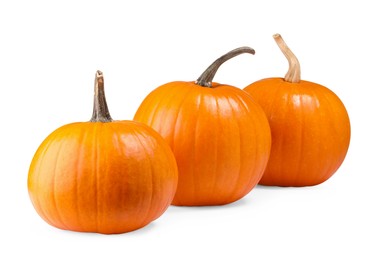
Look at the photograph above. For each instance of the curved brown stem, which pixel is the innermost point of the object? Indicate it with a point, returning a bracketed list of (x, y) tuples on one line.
[(100, 108), (205, 80), (294, 72)]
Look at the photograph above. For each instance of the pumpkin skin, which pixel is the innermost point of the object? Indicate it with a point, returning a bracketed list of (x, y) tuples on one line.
[(106, 177), (220, 138), (310, 129)]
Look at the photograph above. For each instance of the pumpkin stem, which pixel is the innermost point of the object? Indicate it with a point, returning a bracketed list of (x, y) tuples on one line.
[(100, 108), (294, 72), (205, 79)]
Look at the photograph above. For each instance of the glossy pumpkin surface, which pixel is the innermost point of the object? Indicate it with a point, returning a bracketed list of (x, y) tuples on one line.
[(310, 129), (219, 135), (106, 177)]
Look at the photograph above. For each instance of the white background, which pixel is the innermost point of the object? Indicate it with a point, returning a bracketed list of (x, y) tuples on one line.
[(49, 52)]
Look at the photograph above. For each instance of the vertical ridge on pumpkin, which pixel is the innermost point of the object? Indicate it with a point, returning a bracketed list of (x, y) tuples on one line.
[(179, 111), (333, 110), (245, 110), (194, 152), (301, 136), (286, 142), (78, 178), (37, 171), (95, 156), (152, 111), (253, 178), (236, 183), (258, 159), (215, 152), (156, 112), (147, 210), (54, 189)]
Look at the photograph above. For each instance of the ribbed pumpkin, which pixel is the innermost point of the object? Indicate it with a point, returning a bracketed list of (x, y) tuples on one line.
[(102, 176), (309, 123), (219, 135)]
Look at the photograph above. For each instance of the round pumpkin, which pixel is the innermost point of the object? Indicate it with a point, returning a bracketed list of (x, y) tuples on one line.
[(102, 176), (309, 124), (220, 136)]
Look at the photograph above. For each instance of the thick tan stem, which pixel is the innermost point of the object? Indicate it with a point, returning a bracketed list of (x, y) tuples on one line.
[(294, 72), (100, 108), (205, 79)]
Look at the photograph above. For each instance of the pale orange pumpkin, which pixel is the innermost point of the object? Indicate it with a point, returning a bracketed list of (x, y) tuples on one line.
[(220, 136), (309, 124), (102, 176)]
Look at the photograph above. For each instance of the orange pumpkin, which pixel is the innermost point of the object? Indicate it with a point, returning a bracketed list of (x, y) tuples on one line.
[(102, 176), (309, 123), (219, 135)]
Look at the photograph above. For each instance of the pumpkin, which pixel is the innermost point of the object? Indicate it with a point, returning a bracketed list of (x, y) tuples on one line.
[(309, 124), (219, 135), (102, 176)]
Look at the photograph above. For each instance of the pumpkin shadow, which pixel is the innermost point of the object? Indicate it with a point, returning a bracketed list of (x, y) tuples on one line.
[(260, 192), (243, 202), (236, 204), (140, 231), (287, 188), (266, 187)]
